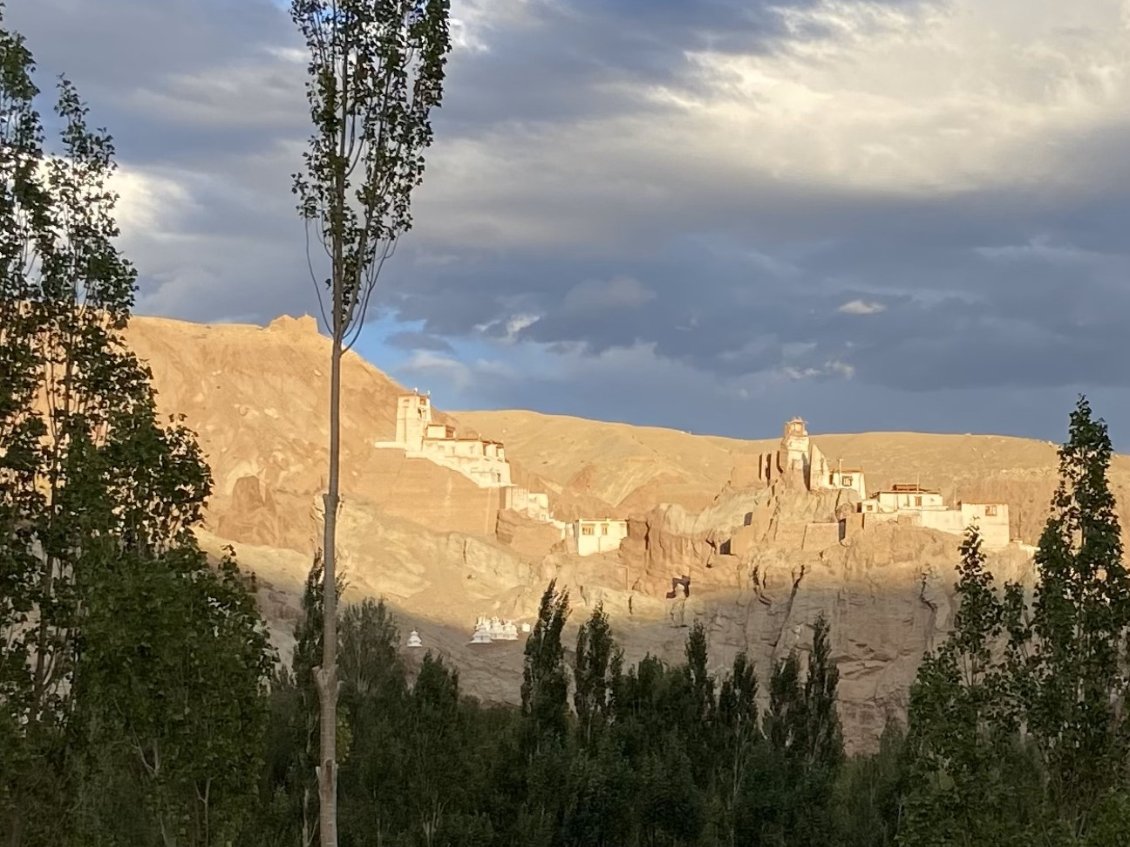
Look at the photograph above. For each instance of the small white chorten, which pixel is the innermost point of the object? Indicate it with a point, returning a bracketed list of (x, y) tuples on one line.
[(482, 632), (414, 639)]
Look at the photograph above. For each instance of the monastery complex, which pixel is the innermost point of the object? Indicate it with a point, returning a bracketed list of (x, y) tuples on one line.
[(797, 464), (800, 463)]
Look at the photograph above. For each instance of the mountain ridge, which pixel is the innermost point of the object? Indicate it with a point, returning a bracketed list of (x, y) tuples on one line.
[(444, 551)]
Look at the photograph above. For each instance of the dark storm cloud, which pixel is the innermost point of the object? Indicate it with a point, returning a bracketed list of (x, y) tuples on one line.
[(971, 291), (722, 272), (571, 60), (171, 78)]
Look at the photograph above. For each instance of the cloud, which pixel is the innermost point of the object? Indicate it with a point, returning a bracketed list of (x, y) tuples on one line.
[(697, 198), (620, 292), (461, 376), (861, 307)]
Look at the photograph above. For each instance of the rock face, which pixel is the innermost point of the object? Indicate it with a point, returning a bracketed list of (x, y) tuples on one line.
[(525, 536), (887, 590), (761, 561)]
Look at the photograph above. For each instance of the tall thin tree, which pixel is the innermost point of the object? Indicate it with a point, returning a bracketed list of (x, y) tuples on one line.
[(1071, 649), (376, 71)]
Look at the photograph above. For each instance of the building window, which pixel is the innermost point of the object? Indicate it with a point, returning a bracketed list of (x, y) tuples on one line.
[(846, 481), (917, 501), (990, 511), (604, 529), (587, 530)]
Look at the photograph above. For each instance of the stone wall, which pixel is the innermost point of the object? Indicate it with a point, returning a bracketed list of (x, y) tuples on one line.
[(423, 492)]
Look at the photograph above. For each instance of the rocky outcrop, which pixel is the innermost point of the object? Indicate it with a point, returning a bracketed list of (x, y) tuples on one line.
[(526, 536), (887, 589), (670, 538)]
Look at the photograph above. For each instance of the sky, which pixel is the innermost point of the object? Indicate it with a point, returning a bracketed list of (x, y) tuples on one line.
[(704, 214)]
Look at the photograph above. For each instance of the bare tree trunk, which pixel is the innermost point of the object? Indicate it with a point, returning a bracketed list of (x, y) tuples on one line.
[(15, 833), (326, 675), (307, 829)]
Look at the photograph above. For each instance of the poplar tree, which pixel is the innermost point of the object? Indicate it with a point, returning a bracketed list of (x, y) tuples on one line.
[(1031, 742), (1070, 657), (545, 687), (596, 656), (960, 737), (544, 724), (376, 71), (699, 705), (738, 734), (804, 735)]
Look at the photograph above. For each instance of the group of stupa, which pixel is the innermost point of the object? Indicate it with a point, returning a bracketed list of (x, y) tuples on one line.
[(495, 629), (487, 630)]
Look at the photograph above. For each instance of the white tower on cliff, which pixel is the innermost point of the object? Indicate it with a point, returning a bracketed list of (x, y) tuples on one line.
[(795, 450), (413, 414)]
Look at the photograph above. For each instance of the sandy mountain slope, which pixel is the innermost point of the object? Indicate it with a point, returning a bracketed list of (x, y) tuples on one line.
[(441, 552), (630, 467), (257, 399)]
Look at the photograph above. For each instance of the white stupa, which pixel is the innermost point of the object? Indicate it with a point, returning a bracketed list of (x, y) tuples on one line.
[(496, 631), (414, 639), (526, 628), (482, 632)]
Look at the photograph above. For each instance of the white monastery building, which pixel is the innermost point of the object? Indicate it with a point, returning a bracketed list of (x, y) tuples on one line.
[(481, 461), (918, 506), (601, 535), (533, 504)]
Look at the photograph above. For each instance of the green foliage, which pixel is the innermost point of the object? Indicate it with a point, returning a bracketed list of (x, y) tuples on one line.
[(699, 705), (288, 788), (177, 697), (1070, 672), (805, 746), (374, 693), (429, 768), (375, 73), (544, 685), (738, 737), (130, 671), (596, 658), (961, 788), (870, 792), (1018, 732)]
